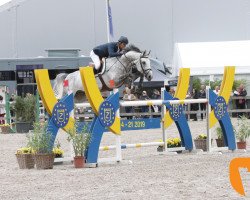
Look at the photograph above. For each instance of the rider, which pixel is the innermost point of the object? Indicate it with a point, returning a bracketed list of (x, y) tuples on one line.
[(112, 49)]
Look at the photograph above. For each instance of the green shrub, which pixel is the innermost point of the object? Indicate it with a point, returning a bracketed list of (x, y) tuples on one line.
[(24, 108), (80, 139), (40, 139), (244, 129), (219, 132)]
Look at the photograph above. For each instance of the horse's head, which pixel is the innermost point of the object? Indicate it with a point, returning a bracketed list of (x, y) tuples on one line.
[(141, 63)]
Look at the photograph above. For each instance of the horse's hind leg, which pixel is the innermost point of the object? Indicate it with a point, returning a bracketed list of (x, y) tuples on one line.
[(80, 97)]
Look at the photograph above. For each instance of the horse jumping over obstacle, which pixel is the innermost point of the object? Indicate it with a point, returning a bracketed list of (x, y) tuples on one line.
[(107, 113), (118, 71)]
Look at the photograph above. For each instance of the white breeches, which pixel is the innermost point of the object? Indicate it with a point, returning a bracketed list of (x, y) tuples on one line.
[(95, 59)]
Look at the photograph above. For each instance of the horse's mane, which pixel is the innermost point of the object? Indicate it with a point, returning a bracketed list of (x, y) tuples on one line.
[(131, 47)]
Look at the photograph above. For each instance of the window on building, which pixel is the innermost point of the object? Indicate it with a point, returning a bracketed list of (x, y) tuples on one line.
[(7, 75)]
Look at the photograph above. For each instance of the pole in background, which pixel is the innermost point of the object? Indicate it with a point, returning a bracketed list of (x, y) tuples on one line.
[(208, 110), (7, 109), (37, 107), (110, 33)]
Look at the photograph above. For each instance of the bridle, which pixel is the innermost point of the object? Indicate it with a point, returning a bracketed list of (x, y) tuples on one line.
[(145, 71), (131, 69)]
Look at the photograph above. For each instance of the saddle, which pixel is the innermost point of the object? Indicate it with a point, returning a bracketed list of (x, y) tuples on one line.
[(99, 74)]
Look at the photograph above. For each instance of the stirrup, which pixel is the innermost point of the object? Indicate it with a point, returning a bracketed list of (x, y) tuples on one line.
[(95, 71), (100, 71)]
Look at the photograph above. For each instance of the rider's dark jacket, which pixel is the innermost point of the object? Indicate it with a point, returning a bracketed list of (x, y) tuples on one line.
[(107, 50)]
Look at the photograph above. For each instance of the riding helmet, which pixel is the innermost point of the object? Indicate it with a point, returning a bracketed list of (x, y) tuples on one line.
[(123, 39)]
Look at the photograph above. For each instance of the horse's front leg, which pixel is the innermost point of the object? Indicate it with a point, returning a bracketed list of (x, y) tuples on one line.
[(138, 89), (128, 82), (140, 85)]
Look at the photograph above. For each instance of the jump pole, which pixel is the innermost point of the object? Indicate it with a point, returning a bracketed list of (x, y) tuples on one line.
[(208, 111), (164, 132), (118, 136)]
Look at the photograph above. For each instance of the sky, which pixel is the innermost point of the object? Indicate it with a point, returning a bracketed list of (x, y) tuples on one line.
[(4, 1)]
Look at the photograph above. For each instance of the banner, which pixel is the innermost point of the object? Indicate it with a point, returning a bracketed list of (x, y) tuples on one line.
[(111, 33)]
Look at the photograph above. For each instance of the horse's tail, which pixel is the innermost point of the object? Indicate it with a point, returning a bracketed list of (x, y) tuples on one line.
[(58, 85)]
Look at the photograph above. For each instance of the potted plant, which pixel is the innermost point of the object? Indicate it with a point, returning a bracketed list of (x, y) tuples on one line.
[(243, 132), (220, 137), (200, 142), (80, 138), (5, 128), (40, 142), (25, 158), (171, 143), (25, 111), (58, 152)]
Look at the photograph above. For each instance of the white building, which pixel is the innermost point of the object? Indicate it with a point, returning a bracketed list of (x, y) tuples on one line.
[(28, 27)]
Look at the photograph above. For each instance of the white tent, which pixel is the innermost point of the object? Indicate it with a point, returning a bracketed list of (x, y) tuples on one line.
[(206, 58)]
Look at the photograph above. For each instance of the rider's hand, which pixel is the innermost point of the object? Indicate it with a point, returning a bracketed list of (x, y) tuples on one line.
[(122, 52)]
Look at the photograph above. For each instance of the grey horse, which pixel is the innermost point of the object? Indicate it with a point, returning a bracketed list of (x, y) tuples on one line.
[(117, 72)]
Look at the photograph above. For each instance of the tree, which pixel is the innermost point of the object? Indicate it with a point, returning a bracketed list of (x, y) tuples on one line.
[(238, 82), (197, 83), (213, 84)]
